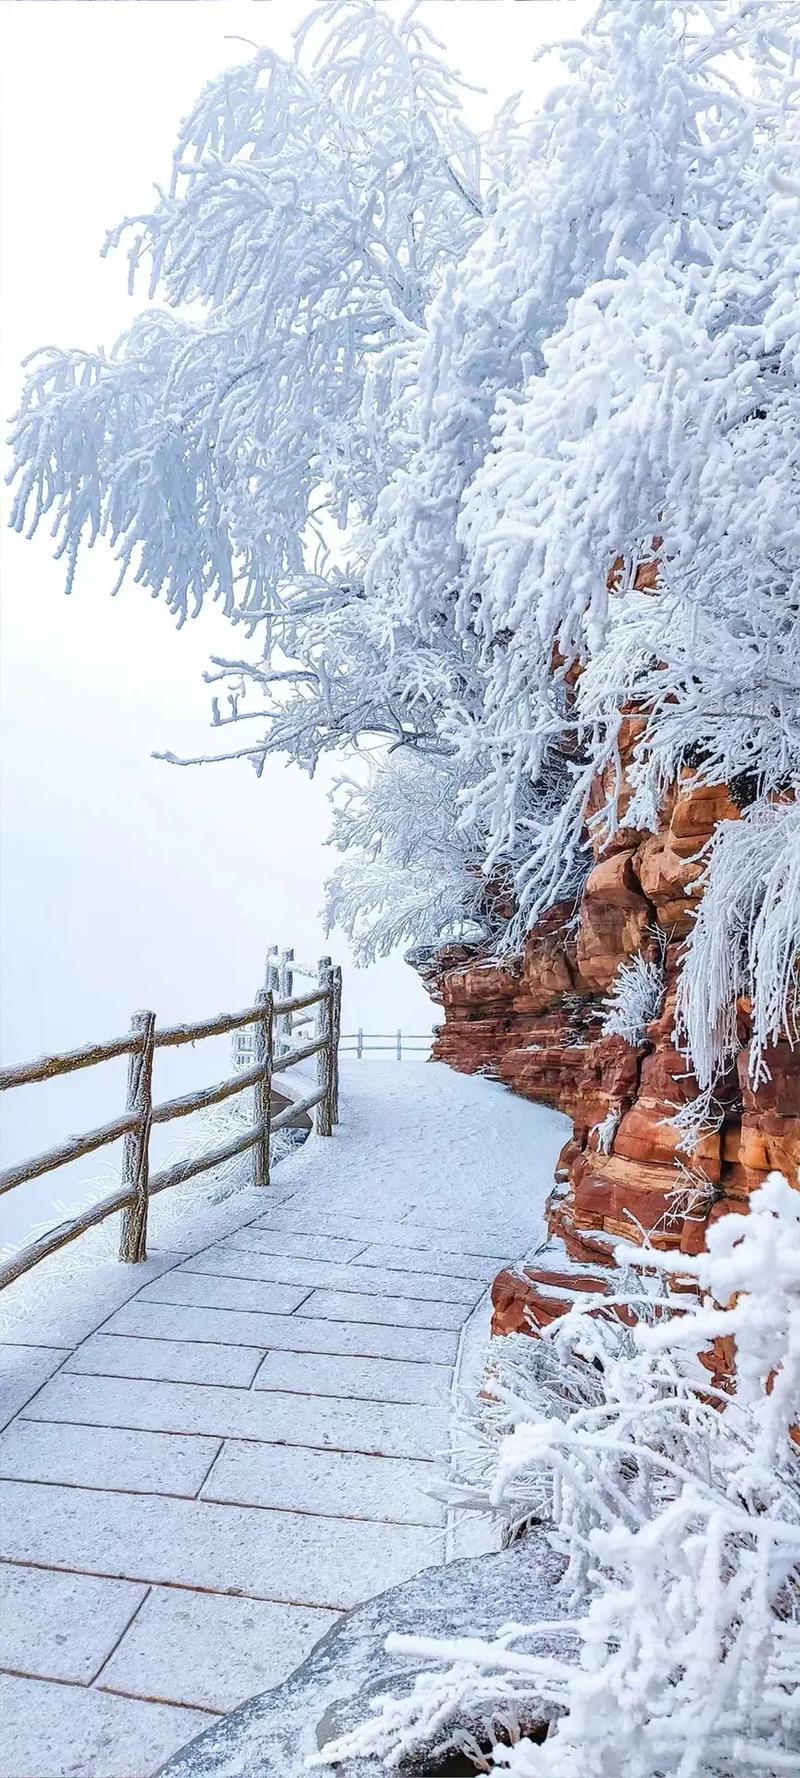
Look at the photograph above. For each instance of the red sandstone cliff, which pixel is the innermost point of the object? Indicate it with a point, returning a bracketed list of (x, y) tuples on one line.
[(534, 1022)]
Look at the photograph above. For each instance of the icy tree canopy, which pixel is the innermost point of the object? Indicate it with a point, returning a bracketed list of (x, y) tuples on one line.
[(414, 407)]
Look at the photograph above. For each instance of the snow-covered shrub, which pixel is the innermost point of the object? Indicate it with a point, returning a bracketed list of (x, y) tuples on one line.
[(677, 1504), (606, 1130), (635, 1000), (697, 1118)]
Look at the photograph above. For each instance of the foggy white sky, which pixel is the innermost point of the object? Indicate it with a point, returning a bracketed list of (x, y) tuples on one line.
[(125, 882)]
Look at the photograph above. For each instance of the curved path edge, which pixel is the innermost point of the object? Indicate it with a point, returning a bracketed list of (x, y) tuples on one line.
[(208, 1469)]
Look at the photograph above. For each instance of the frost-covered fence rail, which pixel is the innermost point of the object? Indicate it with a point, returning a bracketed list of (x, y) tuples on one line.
[(268, 1016)]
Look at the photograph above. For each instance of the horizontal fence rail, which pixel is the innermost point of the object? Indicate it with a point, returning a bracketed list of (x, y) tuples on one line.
[(46, 1067), (265, 1029)]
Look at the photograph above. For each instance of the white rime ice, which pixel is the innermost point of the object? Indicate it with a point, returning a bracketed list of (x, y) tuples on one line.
[(678, 1508), (745, 942), (414, 408), (635, 1000)]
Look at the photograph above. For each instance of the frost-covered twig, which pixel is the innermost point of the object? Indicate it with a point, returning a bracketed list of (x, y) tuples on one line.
[(635, 1000)]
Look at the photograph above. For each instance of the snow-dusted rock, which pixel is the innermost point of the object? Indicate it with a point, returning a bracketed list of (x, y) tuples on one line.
[(339, 1683)]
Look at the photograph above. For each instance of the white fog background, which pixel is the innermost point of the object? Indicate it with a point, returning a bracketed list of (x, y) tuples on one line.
[(126, 882)]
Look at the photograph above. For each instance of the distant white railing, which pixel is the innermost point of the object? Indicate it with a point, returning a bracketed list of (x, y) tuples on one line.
[(281, 971), (351, 1043), (410, 1043), (269, 1025), (279, 981)]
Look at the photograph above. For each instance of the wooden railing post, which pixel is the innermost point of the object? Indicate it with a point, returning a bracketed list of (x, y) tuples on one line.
[(360, 1044), (335, 1037), (323, 1119), (136, 1152), (272, 971), (263, 1056), (285, 986), (399, 1046)]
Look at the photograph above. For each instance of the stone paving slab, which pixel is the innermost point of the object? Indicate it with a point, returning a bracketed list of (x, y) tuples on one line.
[(257, 1239), (486, 1243), (287, 1333), (177, 1361), (23, 1370), (172, 1651), (224, 1261), (393, 1311), (343, 1484), (105, 1457), (180, 1222), (51, 1731), (276, 1418), (354, 1379), (306, 1218), (62, 1626), (309, 1218), (475, 1266), (224, 1293), (291, 1557), (490, 1243)]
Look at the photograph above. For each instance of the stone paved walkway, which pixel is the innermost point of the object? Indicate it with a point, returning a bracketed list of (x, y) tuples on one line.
[(200, 1481)]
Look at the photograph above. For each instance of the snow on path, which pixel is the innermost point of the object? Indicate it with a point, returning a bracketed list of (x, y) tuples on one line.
[(207, 1459)]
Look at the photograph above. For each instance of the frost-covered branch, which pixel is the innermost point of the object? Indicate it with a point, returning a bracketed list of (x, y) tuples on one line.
[(745, 944)]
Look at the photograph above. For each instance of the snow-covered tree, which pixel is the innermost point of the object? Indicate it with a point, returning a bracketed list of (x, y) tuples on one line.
[(410, 872), (311, 210), (415, 407), (405, 877)]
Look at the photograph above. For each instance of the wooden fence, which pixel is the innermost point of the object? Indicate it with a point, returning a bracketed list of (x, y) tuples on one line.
[(271, 1020)]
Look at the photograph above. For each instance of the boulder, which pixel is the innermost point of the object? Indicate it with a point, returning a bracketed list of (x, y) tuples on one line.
[(668, 879), (528, 1300), (614, 921), (336, 1687)]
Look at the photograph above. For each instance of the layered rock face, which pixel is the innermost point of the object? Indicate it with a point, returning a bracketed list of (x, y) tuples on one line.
[(535, 1021)]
